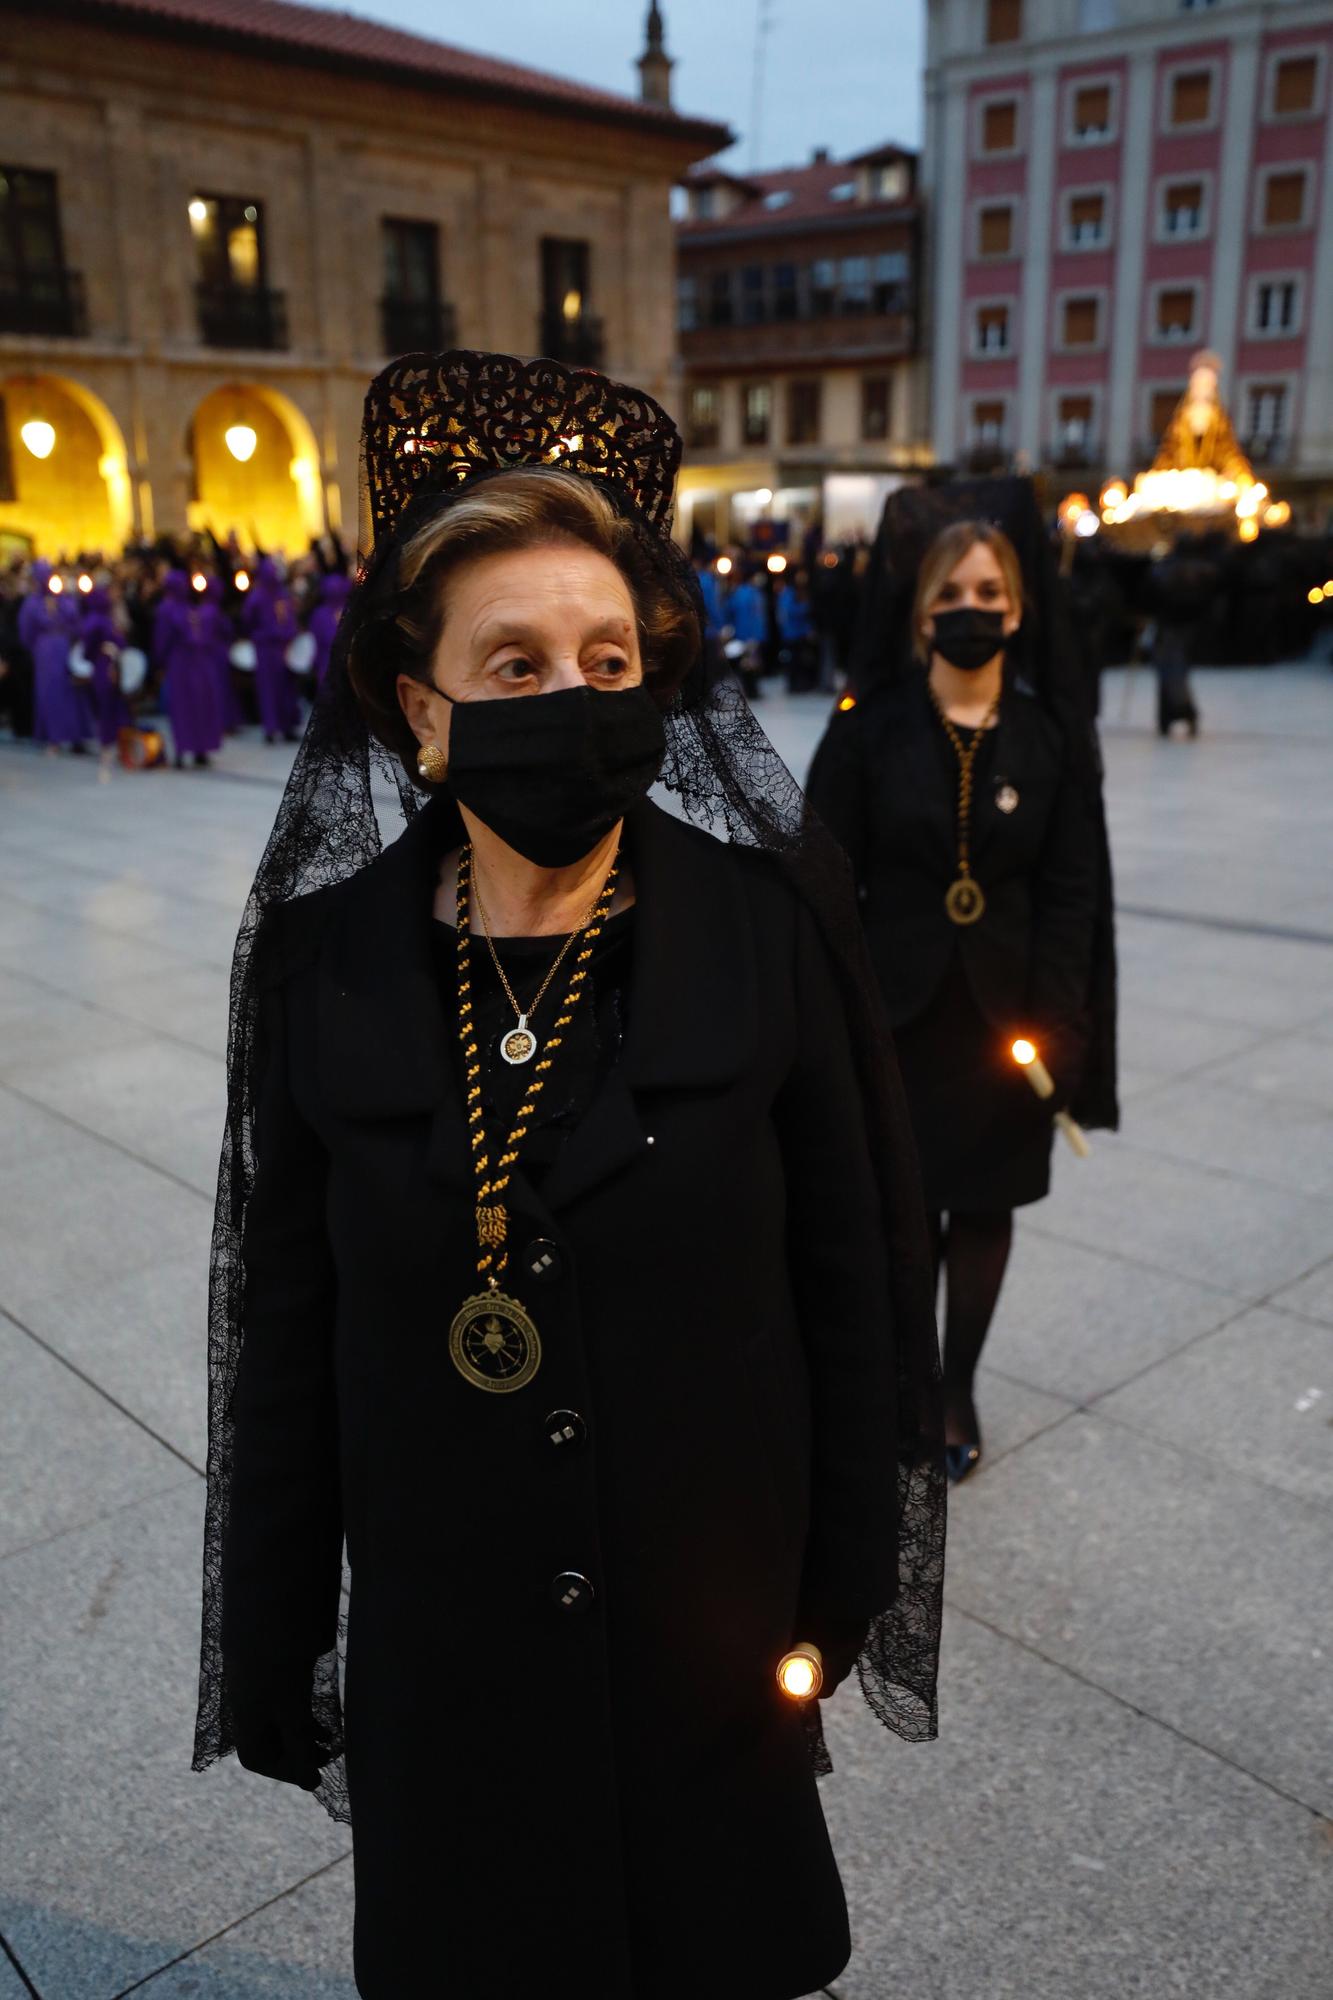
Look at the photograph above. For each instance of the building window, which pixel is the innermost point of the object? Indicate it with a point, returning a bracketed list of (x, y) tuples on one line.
[(1276, 306), (37, 294), (892, 182), (995, 231), (1295, 86), (720, 310), (1004, 21), (1079, 322), (236, 309), (568, 330), (756, 412), (1087, 219), (1196, 6), (1174, 316), (803, 411), (823, 285), (687, 302), (992, 324), (1284, 199), (1162, 408), (999, 126), (1267, 404), (876, 408), (892, 273), (988, 423), (855, 284), (414, 320), (753, 300), (786, 298), (1182, 208), (1074, 424), (1092, 112), (702, 416), (1191, 97)]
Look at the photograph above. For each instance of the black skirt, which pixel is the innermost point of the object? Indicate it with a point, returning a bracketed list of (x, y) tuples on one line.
[(983, 1135)]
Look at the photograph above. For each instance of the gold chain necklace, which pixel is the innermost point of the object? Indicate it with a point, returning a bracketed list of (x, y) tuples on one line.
[(964, 901), (492, 1341), (520, 1044)]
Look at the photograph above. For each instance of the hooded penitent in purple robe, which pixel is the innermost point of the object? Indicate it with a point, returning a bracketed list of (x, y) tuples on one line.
[(271, 621), (48, 627), (184, 641), (229, 701), (102, 640), (323, 622)]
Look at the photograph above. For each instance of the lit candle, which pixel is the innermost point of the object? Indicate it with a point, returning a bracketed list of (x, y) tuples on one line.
[(801, 1672), (199, 581), (242, 580), (1025, 1055)]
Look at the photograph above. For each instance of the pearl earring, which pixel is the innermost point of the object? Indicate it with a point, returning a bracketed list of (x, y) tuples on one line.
[(431, 765)]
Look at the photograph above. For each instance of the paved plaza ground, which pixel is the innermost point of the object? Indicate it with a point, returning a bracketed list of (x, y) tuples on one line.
[(1133, 1790)]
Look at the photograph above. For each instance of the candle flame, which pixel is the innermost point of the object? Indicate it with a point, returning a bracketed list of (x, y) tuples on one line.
[(801, 1673), (1023, 1052), (848, 702)]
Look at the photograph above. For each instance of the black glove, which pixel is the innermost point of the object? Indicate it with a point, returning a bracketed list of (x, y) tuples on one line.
[(276, 1734)]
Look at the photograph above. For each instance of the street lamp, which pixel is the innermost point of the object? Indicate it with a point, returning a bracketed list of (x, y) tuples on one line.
[(240, 440), (39, 437)]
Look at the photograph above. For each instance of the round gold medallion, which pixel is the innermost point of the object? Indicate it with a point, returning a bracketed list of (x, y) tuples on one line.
[(493, 1344), (964, 900)]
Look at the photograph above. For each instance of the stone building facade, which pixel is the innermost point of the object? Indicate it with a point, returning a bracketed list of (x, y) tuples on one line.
[(797, 309), (219, 217)]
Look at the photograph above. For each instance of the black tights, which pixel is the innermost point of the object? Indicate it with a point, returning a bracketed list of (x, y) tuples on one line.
[(973, 1250)]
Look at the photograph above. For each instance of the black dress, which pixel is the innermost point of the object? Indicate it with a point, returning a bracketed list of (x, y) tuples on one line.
[(599, 1795), (885, 780)]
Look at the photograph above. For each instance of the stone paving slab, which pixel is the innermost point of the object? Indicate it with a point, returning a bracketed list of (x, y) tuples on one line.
[(1055, 1845), (122, 1094), (11, 1986), (1076, 1321), (160, 1312), (1216, 1227), (116, 1857), (1295, 1069), (1265, 1137), (1195, 1594), (93, 1460), (1311, 1295), (298, 1948), (1257, 1396)]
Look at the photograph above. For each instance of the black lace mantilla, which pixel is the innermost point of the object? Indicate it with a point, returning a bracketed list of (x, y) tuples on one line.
[(432, 424)]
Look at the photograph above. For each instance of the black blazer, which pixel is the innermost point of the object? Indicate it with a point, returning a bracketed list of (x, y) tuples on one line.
[(878, 783), (610, 1800)]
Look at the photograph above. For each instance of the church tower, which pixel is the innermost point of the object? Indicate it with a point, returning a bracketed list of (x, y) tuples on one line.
[(655, 65)]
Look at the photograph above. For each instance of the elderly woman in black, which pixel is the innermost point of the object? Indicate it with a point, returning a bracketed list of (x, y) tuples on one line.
[(971, 812), (565, 1268)]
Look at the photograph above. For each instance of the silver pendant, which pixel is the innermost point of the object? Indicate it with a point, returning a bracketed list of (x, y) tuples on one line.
[(520, 1044), (1006, 798)]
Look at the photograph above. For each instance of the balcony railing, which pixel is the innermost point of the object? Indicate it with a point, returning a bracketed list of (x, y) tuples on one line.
[(49, 304), (417, 326), (575, 341), (241, 316), (1074, 454)]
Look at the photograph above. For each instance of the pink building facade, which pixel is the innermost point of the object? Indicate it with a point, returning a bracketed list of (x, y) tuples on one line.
[(1110, 185)]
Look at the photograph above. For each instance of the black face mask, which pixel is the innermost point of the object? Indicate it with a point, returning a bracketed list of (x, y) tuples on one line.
[(552, 773), (967, 639)]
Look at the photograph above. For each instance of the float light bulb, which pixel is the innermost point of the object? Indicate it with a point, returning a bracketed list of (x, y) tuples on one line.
[(242, 579), (198, 212), (240, 440), (723, 565), (85, 583), (776, 565), (199, 581), (1249, 529), (1315, 596), (39, 437)]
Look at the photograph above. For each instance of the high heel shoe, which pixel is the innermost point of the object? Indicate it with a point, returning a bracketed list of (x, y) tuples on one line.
[(960, 1460)]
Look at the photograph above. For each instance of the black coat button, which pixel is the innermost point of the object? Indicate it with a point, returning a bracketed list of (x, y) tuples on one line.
[(572, 1591), (565, 1430), (542, 1259)]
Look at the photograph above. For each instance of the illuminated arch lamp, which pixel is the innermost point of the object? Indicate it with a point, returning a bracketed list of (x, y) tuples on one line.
[(240, 440), (39, 437)]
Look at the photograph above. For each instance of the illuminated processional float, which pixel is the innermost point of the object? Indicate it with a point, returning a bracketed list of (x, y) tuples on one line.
[(1199, 481)]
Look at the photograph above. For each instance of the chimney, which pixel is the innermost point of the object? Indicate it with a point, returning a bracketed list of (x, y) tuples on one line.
[(655, 65), (819, 158)]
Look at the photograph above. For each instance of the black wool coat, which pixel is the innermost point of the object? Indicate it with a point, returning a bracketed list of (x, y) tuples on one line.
[(606, 1797), (878, 784)]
